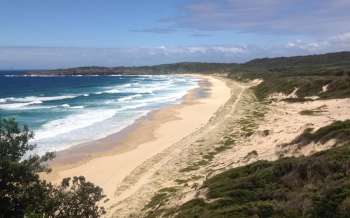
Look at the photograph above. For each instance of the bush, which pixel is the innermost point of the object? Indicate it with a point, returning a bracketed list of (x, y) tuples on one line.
[(315, 186), (338, 130), (23, 194)]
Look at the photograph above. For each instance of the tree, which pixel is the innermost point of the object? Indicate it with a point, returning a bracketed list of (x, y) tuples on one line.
[(77, 198), (23, 193)]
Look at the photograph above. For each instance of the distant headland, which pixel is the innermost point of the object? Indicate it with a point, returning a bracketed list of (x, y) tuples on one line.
[(317, 62)]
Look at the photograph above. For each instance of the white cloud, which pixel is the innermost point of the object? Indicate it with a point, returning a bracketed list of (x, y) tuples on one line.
[(312, 17), (37, 57), (334, 43)]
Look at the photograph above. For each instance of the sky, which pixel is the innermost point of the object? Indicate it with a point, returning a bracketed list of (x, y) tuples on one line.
[(46, 34)]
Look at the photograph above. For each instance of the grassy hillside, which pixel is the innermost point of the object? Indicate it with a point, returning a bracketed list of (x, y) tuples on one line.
[(337, 86), (311, 64), (309, 74), (315, 186)]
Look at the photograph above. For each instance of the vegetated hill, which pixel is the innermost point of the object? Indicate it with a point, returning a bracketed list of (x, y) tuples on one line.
[(314, 187), (330, 60), (316, 64), (185, 67), (326, 76), (331, 63)]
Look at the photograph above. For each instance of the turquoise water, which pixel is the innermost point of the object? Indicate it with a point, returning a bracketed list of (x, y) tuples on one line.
[(63, 111)]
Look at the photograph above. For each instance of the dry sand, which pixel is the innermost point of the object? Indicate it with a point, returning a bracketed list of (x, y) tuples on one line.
[(108, 161)]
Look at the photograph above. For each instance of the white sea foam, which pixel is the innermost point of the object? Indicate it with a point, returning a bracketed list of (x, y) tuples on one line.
[(73, 122), (24, 103), (15, 106), (108, 102), (128, 98), (65, 105), (170, 97), (77, 107), (37, 98), (146, 88), (71, 107), (130, 107)]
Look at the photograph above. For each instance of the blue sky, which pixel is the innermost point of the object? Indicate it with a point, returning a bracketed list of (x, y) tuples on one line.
[(67, 33)]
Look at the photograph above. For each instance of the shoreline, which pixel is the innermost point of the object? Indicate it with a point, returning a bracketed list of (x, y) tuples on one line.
[(117, 155), (78, 154)]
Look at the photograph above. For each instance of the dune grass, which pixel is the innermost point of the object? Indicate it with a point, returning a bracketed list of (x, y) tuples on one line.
[(315, 186)]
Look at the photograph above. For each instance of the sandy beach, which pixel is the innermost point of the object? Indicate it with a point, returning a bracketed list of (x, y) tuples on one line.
[(108, 161), (178, 147)]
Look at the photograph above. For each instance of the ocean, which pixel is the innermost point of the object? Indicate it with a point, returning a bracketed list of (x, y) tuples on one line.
[(67, 110)]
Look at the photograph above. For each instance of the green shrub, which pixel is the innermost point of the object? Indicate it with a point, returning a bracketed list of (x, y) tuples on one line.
[(24, 194), (338, 130), (314, 186)]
